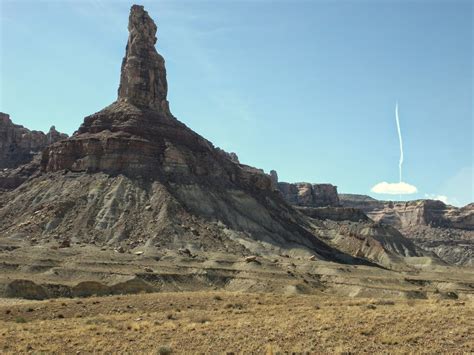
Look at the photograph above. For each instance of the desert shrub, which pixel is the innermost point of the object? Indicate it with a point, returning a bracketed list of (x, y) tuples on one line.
[(164, 350), (201, 320), (234, 305), (385, 303)]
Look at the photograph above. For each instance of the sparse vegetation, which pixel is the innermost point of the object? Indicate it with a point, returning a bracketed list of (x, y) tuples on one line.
[(244, 323), (164, 350)]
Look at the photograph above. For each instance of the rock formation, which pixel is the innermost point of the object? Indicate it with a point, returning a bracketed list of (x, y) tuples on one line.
[(446, 230), (309, 195), (143, 75), (134, 156), (274, 178), (136, 180), (18, 144), (334, 213), (412, 213), (137, 135)]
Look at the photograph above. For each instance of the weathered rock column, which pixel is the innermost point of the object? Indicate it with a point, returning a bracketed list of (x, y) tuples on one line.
[(143, 74)]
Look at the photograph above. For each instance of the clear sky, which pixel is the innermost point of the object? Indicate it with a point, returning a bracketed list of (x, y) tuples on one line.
[(307, 88)]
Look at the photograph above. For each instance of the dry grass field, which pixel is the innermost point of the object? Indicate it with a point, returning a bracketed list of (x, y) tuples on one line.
[(235, 322)]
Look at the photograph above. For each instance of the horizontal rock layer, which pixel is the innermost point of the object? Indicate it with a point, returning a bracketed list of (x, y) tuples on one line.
[(412, 213), (310, 195)]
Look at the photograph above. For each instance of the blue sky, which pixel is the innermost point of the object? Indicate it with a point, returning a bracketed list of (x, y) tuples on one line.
[(307, 88)]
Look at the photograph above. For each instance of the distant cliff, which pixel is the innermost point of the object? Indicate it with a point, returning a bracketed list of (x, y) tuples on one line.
[(446, 230), (18, 144), (412, 213), (309, 195)]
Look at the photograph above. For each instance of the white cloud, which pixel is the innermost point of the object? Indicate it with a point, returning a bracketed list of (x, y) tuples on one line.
[(442, 198), (460, 187), (398, 188)]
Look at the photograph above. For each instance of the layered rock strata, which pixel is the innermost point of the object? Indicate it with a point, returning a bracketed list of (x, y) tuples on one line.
[(413, 213), (309, 195), (136, 182), (445, 230), (133, 175), (18, 145), (138, 136)]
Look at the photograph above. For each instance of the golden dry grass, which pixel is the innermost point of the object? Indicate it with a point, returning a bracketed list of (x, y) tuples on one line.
[(230, 322)]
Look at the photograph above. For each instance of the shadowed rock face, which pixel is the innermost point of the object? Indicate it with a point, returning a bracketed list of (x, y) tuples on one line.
[(18, 144)]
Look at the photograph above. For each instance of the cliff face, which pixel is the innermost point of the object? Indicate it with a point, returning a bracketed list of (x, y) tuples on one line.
[(18, 144), (309, 195), (413, 213), (334, 213), (361, 202), (446, 230)]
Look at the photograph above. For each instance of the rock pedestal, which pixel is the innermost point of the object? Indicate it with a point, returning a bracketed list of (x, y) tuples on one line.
[(138, 136)]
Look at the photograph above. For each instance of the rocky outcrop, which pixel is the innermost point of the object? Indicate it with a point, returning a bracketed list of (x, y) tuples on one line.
[(135, 186), (453, 245), (18, 144), (135, 191), (361, 202), (412, 213), (309, 195), (12, 178), (138, 136), (135, 176), (231, 156), (446, 230), (334, 213), (143, 76), (380, 243), (274, 178)]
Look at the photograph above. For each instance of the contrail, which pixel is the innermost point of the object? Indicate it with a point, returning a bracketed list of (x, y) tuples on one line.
[(396, 188), (401, 141)]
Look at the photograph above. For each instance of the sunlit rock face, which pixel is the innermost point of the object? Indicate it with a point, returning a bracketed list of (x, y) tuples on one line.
[(445, 230), (143, 76), (309, 195)]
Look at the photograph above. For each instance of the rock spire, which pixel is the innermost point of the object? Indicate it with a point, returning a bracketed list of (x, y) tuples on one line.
[(143, 74)]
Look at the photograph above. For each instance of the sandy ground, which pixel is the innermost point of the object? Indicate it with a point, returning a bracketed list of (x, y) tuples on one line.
[(235, 322)]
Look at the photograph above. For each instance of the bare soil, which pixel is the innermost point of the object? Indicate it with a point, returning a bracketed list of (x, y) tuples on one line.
[(235, 322)]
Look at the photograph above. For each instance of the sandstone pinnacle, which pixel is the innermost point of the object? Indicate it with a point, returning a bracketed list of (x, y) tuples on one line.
[(143, 74)]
